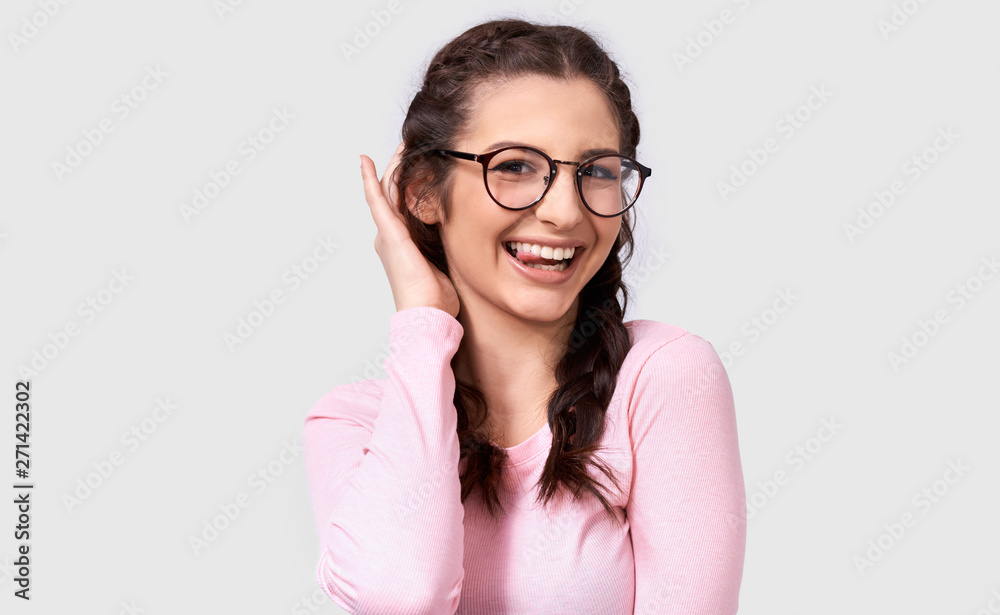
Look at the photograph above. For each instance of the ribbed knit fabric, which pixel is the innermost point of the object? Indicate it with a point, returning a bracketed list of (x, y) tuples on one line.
[(382, 460)]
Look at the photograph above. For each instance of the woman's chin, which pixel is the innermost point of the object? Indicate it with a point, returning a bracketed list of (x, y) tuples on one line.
[(538, 312)]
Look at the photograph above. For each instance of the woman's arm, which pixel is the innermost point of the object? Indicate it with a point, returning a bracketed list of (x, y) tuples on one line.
[(687, 508), (384, 484)]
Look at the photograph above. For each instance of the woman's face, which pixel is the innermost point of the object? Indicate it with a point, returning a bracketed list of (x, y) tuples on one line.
[(567, 120)]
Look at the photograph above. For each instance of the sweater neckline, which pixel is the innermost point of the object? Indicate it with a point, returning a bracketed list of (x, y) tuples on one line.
[(540, 441)]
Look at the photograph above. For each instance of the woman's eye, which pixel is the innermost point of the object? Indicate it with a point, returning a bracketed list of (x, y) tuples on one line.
[(516, 167), (599, 172)]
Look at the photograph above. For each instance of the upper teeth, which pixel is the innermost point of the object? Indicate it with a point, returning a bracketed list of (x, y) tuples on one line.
[(557, 254)]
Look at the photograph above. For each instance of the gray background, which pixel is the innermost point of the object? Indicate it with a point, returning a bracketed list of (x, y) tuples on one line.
[(825, 357)]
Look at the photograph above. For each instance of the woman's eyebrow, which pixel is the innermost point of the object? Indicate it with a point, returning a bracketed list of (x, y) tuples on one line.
[(583, 155)]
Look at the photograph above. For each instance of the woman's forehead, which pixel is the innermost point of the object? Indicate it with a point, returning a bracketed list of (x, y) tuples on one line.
[(543, 112)]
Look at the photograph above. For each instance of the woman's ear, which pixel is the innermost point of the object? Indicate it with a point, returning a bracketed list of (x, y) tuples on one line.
[(428, 209)]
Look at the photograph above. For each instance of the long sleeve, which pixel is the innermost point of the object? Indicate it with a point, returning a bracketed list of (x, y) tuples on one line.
[(384, 483), (687, 508)]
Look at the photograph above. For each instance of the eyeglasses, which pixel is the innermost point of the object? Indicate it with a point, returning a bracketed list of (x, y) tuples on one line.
[(518, 177)]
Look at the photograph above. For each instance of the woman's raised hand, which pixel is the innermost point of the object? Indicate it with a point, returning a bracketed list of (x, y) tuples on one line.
[(413, 279)]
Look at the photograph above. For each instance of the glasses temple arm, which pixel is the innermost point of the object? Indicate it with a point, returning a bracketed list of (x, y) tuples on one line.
[(463, 155)]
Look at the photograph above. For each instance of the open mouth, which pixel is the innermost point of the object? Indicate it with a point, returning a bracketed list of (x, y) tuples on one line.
[(561, 259)]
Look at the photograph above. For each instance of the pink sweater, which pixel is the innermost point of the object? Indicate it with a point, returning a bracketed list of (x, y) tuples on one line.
[(382, 461)]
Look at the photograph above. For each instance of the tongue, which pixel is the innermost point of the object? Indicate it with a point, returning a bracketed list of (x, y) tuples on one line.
[(533, 259)]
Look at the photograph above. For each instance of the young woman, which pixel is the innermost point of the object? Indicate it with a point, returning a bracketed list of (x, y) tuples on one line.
[(528, 451)]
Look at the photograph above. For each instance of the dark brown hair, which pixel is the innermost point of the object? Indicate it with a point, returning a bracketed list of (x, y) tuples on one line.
[(489, 54)]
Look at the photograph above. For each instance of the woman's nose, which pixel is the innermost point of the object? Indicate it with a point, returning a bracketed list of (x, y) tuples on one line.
[(561, 204)]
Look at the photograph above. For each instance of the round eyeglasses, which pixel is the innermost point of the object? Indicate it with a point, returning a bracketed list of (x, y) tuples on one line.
[(518, 177)]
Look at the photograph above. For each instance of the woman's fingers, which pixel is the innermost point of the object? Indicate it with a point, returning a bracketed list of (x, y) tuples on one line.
[(413, 279), (391, 229), (373, 191), (389, 187)]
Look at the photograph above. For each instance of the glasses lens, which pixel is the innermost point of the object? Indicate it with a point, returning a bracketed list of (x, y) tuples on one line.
[(517, 177), (610, 184)]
